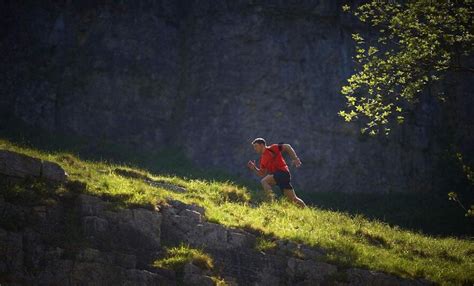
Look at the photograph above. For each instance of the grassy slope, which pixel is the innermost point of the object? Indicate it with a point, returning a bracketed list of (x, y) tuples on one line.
[(350, 240)]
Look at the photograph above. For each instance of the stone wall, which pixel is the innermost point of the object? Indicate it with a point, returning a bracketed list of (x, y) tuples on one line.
[(118, 248), (210, 76)]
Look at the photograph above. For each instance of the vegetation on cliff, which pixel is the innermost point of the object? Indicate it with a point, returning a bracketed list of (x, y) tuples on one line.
[(350, 240)]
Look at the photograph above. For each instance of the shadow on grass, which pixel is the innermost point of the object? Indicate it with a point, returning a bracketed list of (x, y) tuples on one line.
[(345, 255), (430, 214)]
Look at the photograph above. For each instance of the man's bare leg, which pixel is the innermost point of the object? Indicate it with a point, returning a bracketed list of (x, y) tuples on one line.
[(290, 194), (267, 182)]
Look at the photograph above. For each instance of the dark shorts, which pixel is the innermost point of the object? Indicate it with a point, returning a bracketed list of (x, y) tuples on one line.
[(283, 179)]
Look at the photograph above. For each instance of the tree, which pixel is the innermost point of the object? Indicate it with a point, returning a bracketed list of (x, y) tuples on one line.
[(417, 43)]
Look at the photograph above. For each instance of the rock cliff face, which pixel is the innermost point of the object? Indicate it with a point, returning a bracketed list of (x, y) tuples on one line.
[(118, 248), (210, 76), (77, 239)]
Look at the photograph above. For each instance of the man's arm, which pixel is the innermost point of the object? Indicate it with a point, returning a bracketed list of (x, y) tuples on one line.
[(288, 149), (260, 172), (257, 171)]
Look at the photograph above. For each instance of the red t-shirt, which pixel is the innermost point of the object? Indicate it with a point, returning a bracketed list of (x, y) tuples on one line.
[(273, 161)]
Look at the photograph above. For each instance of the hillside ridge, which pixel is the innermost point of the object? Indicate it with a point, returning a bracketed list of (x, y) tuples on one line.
[(65, 228), (121, 245)]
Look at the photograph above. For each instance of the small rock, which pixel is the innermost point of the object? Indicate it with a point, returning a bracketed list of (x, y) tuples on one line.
[(52, 171), (197, 208), (214, 234), (194, 216), (309, 270), (309, 253), (19, 165), (177, 204), (240, 239), (182, 224)]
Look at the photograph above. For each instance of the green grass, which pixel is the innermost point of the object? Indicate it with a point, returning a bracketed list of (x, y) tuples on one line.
[(176, 257), (263, 244), (164, 160), (431, 213), (350, 240)]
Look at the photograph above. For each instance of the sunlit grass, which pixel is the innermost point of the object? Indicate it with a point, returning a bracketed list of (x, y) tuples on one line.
[(176, 257), (264, 244), (349, 240)]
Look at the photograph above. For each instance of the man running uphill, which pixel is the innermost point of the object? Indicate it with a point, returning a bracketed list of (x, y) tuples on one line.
[(274, 169)]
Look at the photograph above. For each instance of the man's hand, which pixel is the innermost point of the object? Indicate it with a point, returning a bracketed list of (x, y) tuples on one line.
[(251, 165), (296, 162)]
